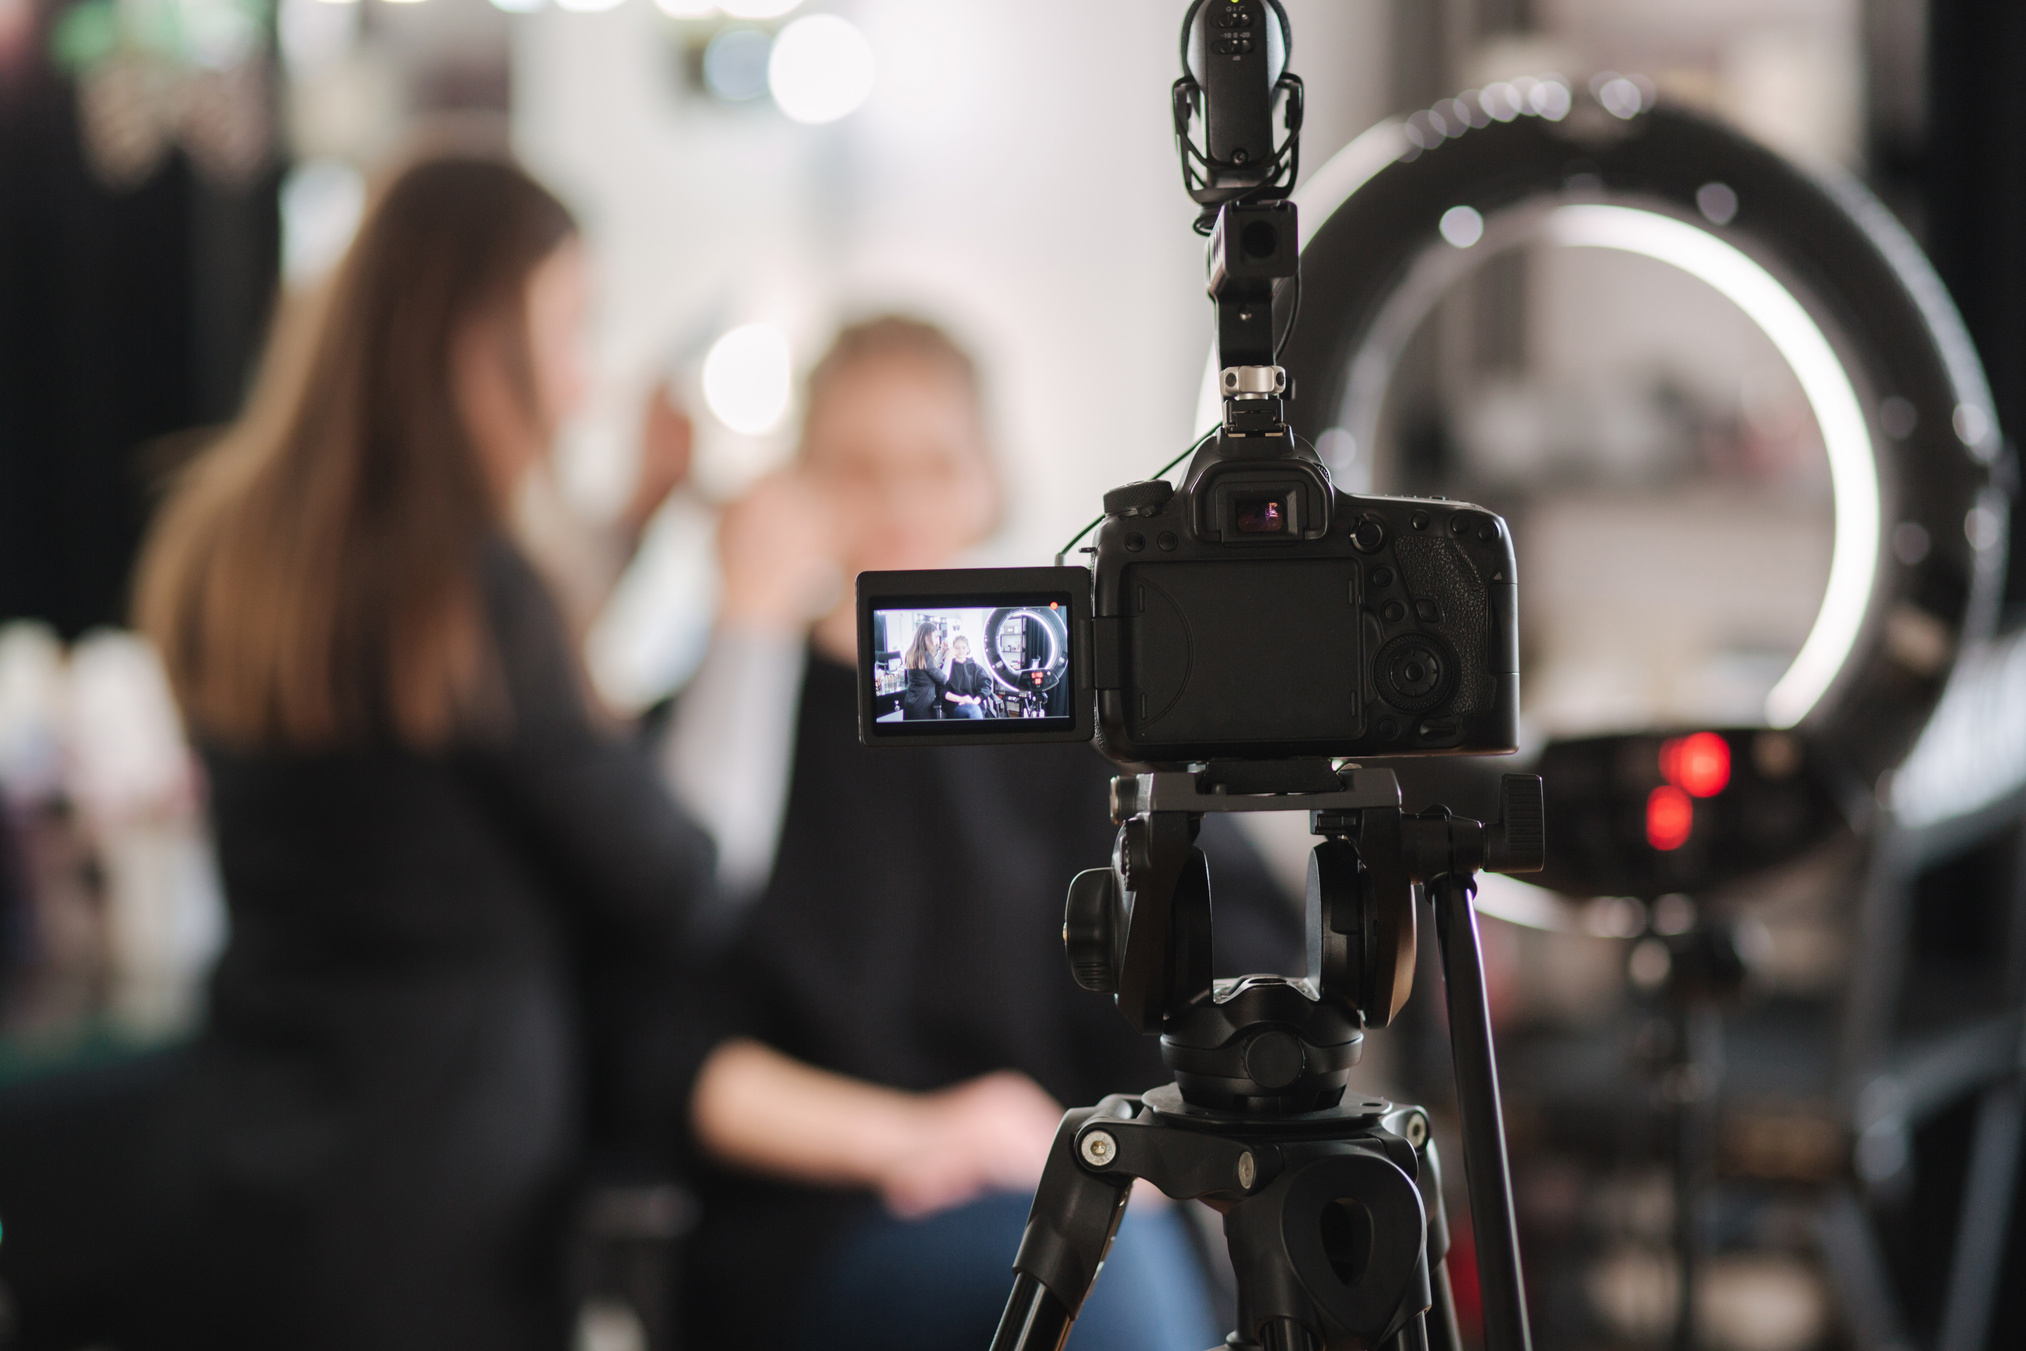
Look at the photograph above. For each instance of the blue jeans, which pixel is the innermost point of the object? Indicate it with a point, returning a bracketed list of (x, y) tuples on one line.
[(967, 711), (940, 1284)]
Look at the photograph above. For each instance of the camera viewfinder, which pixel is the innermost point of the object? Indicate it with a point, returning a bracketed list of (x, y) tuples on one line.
[(1261, 514)]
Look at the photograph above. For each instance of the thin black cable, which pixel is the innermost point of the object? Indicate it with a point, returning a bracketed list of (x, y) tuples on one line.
[(1293, 313), (1197, 445)]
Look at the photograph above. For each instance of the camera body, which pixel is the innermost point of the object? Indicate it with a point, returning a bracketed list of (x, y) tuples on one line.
[(1258, 613)]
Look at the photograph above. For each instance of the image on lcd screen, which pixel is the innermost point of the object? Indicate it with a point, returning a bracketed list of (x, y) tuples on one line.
[(963, 667)]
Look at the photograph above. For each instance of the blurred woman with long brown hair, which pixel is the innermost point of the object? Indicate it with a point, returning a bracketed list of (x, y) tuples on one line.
[(923, 697), (458, 901)]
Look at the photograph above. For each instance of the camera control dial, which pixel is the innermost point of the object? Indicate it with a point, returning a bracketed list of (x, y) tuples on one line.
[(1416, 672)]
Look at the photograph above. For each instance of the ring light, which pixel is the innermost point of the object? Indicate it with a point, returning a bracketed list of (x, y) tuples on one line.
[(1053, 665), (1815, 263)]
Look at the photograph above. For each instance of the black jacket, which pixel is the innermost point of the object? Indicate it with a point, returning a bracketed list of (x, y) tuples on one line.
[(923, 697), (449, 977), (968, 677)]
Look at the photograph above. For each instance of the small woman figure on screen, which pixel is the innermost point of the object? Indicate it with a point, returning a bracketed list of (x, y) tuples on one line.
[(926, 685), (969, 683)]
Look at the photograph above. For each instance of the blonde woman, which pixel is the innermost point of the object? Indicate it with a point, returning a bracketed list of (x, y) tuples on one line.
[(899, 1029), (969, 683)]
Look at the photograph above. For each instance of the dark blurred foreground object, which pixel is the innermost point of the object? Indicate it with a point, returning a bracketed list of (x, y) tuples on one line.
[(451, 979), (459, 902), (126, 313)]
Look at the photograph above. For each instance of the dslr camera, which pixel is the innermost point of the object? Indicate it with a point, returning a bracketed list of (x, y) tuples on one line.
[(1252, 612)]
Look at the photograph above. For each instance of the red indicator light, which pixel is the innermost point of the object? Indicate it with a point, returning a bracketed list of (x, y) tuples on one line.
[(1699, 765), (1670, 815), (1055, 605)]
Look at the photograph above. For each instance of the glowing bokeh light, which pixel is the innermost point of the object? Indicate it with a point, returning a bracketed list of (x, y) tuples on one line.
[(1462, 226), (1670, 816), (747, 379), (1699, 765), (735, 64), (821, 69)]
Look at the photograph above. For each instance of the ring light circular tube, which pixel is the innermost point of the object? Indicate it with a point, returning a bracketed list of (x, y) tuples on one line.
[(1814, 261), (1853, 474)]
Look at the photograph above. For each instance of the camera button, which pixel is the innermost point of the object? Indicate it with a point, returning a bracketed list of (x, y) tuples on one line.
[(1437, 729), (1428, 611), (1136, 541), (1382, 577), (1393, 612), (1168, 541), (1460, 523), (1419, 520), (1369, 537), (1488, 531)]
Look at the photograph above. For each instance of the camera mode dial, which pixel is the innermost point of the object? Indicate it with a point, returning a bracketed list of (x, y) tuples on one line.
[(1145, 498)]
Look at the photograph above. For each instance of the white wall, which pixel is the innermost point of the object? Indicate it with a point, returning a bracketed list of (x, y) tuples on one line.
[(1020, 184)]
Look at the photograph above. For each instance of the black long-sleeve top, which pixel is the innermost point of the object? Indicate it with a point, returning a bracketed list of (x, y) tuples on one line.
[(923, 696), (910, 935), (449, 977)]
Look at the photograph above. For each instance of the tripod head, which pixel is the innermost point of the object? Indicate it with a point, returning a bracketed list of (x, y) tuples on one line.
[(1141, 929), (1332, 1204)]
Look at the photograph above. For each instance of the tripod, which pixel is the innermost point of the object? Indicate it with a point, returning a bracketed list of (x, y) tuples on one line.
[(1332, 1203)]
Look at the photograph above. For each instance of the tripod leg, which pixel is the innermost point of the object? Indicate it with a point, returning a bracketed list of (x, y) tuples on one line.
[(1484, 1168), (1444, 1333), (1413, 1337), (1698, 1028), (1284, 1334), (1076, 1214)]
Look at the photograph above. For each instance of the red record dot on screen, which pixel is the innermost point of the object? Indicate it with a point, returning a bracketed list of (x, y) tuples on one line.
[(1670, 815), (1699, 765)]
